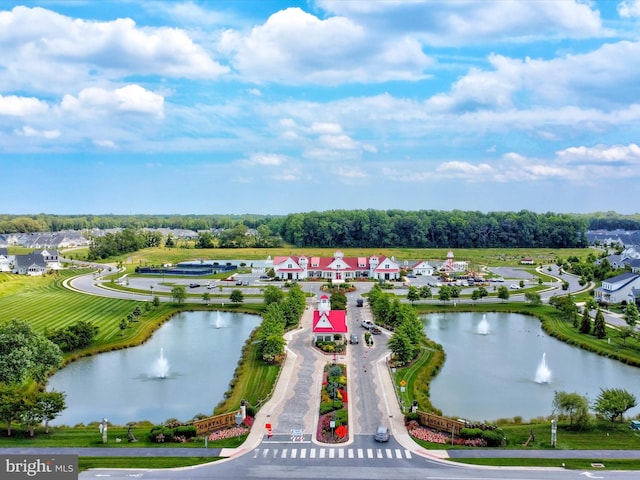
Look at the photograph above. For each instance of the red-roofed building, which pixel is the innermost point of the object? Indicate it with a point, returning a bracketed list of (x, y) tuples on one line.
[(336, 269), (327, 323)]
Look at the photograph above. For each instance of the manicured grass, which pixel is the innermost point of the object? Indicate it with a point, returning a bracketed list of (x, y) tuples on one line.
[(475, 256), (89, 436), (567, 463), (47, 305), (253, 380), (85, 463)]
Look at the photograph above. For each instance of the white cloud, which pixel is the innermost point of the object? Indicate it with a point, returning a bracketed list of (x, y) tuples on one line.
[(597, 78), (39, 45), (326, 128), (128, 99), (15, 106), (28, 131), (108, 144), (294, 47), (602, 154), (629, 8), (266, 159), (448, 23)]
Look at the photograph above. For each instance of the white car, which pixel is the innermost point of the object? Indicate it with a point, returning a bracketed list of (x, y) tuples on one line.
[(513, 286)]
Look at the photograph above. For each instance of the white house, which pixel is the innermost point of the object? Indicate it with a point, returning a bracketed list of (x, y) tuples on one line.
[(5, 260), (423, 268), (618, 289), (336, 269)]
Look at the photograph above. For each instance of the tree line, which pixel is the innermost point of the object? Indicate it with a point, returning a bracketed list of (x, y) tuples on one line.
[(346, 228)]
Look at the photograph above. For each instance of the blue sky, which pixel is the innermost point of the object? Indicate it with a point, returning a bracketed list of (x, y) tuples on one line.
[(275, 107)]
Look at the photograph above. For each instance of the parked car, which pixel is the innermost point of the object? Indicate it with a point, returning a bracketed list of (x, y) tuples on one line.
[(239, 282), (353, 338), (194, 285), (359, 302), (367, 324), (382, 434), (513, 286), (375, 331)]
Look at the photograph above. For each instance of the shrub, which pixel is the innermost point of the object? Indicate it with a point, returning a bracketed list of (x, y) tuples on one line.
[(493, 437), (468, 433), (187, 431), (166, 432), (411, 417), (326, 407)]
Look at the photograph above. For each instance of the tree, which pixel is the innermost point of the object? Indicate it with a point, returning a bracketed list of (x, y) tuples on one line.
[(206, 297), (272, 347), (503, 293), (612, 403), (425, 292), (26, 354), (631, 315), (51, 404), (272, 294), (598, 325), (585, 324), (475, 295), (624, 333), (444, 293), (11, 403), (401, 347), (236, 296), (156, 301), (412, 294), (533, 298), (178, 293), (338, 301), (574, 405)]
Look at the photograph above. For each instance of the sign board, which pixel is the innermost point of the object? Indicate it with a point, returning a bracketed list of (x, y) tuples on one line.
[(217, 422), (341, 431), (403, 383), (443, 424)]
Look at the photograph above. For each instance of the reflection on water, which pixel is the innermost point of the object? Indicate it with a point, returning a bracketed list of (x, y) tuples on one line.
[(492, 376), (123, 386)]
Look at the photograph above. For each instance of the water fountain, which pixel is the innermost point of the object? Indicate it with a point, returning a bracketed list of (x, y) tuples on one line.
[(483, 326), (543, 374), (219, 320), (161, 366)]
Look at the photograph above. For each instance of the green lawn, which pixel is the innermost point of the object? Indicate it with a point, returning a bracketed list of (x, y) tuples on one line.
[(475, 256)]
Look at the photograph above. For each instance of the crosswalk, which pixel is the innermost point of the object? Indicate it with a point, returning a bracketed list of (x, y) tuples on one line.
[(312, 453)]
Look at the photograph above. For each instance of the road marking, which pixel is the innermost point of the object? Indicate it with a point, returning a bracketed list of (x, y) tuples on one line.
[(332, 453), (322, 452), (313, 453), (360, 453), (303, 453), (379, 453), (341, 453), (350, 453), (388, 452), (294, 453), (398, 453), (369, 452)]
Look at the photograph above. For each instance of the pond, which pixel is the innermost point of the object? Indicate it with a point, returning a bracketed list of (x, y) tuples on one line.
[(182, 370), (501, 365)]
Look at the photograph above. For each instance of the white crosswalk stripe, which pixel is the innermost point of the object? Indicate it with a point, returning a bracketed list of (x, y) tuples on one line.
[(332, 453)]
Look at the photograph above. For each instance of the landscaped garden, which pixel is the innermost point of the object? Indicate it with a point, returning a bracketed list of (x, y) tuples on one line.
[(333, 422)]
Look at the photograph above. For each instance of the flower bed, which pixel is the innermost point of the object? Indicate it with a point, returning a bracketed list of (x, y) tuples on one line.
[(228, 433), (427, 435), (333, 406)]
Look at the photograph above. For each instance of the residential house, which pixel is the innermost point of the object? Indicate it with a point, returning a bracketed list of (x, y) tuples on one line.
[(423, 268), (618, 289), (31, 264), (336, 269), (5, 260)]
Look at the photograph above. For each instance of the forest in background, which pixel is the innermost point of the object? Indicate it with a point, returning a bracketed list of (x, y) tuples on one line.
[(363, 228)]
